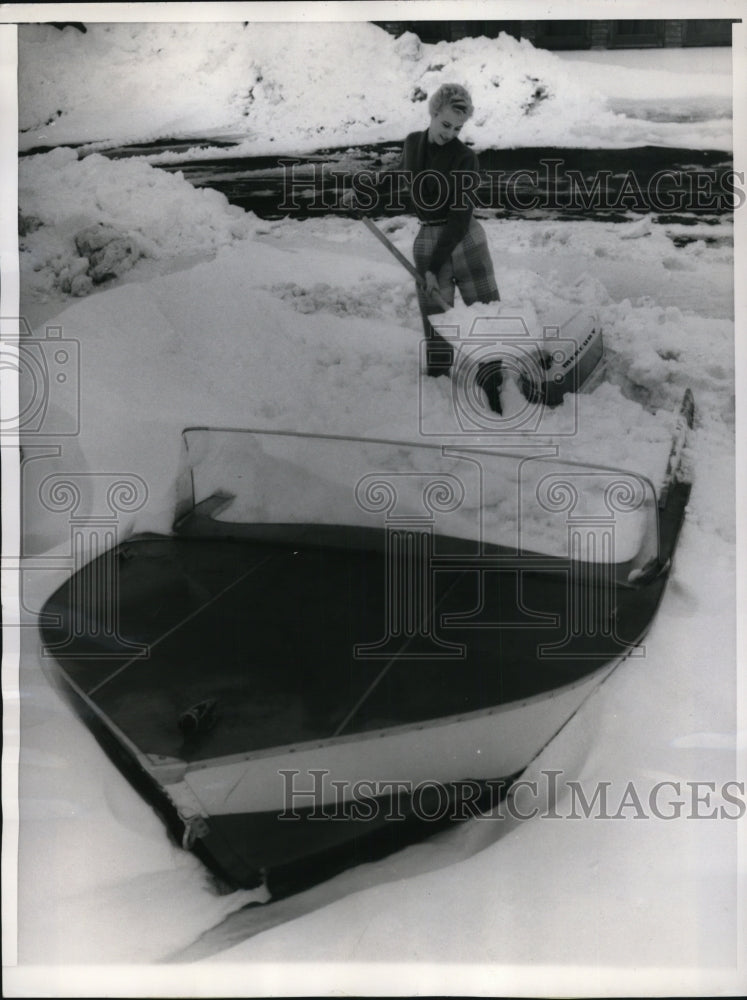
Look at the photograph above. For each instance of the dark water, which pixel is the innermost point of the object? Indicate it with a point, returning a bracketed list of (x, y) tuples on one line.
[(675, 185)]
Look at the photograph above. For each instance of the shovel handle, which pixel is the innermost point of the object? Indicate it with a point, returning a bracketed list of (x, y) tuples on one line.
[(372, 227)]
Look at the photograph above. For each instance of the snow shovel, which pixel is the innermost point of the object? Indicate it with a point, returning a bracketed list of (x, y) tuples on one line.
[(489, 375)]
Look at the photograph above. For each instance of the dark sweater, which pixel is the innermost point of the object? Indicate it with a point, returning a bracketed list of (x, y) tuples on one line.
[(437, 194)]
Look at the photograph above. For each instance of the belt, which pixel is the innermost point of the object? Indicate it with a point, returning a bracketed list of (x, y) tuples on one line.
[(435, 222)]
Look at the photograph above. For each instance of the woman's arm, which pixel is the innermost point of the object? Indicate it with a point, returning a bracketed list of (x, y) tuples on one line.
[(371, 189), (459, 214)]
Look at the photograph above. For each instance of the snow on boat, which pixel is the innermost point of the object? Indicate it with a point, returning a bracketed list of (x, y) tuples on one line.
[(346, 643)]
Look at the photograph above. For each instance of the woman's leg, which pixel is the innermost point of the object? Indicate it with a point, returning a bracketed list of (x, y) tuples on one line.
[(473, 267), (473, 273)]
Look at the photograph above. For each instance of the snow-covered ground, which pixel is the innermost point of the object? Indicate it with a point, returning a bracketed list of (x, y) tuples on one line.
[(227, 319)]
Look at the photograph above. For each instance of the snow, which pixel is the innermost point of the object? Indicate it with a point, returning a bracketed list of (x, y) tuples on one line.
[(119, 195), (257, 83), (229, 320)]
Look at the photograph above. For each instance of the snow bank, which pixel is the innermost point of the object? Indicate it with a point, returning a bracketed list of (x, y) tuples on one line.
[(160, 214), (301, 86)]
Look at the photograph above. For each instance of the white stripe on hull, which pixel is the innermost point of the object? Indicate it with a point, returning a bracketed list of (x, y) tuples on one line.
[(486, 744)]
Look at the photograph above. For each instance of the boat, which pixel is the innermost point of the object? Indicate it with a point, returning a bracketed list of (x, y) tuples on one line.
[(345, 644)]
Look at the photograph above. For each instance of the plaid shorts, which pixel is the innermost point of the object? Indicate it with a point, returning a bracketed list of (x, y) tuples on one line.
[(469, 267)]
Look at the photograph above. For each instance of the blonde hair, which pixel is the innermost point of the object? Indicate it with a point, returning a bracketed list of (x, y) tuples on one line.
[(453, 95)]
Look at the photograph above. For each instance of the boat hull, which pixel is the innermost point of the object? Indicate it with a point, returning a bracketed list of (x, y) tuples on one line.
[(311, 747)]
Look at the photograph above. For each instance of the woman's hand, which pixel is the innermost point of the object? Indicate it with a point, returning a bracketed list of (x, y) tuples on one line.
[(431, 283)]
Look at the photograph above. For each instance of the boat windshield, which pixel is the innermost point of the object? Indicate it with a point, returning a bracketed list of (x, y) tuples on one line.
[(506, 501)]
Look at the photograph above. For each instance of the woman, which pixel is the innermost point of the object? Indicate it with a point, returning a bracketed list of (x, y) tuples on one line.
[(450, 247)]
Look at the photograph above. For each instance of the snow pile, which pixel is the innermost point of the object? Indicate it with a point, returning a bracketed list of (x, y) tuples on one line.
[(61, 197), (301, 86)]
